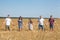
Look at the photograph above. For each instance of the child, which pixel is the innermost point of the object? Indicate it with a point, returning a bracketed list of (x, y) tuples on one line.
[(30, 24), (20, 23)]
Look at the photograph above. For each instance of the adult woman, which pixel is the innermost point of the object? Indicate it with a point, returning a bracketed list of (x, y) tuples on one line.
[(20, 23)]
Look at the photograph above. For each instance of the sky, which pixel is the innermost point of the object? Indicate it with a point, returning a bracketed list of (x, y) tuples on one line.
[(30, 8)]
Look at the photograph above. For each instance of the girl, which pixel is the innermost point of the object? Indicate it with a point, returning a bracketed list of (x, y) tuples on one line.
[(30, 24)]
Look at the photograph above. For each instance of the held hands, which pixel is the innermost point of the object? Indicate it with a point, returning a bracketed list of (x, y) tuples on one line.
[(47, 23)]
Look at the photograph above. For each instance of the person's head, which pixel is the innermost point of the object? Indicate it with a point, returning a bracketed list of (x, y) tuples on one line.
[(20, 18), (41, 17), (8, 16), (30, 20), (51, 16)]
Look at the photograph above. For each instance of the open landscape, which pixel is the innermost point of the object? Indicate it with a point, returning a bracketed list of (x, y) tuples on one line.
[(25, 9), (26, 34)]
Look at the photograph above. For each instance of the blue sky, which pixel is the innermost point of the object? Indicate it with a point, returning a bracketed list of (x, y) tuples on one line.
[(30, 8)]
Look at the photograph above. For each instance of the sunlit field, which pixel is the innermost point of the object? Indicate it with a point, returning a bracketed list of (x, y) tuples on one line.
[(26, 34)]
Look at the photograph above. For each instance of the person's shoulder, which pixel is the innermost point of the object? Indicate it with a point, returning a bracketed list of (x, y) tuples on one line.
[(42, 18)]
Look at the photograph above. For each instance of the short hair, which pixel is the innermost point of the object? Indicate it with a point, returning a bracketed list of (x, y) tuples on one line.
[(50, 15), (8, 15)]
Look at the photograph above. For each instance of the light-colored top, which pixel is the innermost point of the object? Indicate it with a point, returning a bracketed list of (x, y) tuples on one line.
[(41, 21), (20, 21), (8, 21), (30, 26)]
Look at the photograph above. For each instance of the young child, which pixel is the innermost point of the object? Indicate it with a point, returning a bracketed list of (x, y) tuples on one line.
[(30, 24), (20, 22)]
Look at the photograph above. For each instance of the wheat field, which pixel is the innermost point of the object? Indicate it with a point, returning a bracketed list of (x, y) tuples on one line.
[(26, 34)]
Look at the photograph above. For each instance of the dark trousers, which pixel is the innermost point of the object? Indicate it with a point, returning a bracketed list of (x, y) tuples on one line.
[(51, 26), (41, 27)]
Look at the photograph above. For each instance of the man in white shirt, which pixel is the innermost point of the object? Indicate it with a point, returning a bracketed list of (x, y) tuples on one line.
[(41, 23), (8, 22)]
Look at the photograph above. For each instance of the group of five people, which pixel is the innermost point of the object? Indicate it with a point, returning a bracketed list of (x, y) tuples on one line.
[(8, 21)]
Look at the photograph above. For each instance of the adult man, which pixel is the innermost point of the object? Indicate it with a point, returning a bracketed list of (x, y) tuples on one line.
[(8, 22), (51, 22), (41, 23)]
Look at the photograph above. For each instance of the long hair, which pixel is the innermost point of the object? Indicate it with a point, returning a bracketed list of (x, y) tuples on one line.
[(20, 18), (30, 21)]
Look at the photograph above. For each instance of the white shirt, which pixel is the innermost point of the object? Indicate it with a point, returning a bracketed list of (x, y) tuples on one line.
[(30, 26), (8, 21), (41, 21)]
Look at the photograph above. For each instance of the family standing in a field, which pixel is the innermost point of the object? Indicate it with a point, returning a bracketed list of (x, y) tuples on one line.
[(41, 23)]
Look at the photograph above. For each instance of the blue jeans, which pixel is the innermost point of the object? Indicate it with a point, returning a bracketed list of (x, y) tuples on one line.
[(41, 27), (51, 26)]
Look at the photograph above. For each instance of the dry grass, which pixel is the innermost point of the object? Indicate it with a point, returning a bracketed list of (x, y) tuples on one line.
[(26, 34)]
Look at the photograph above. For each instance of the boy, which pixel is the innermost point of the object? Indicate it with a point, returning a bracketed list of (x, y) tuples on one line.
[(51, 22)]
